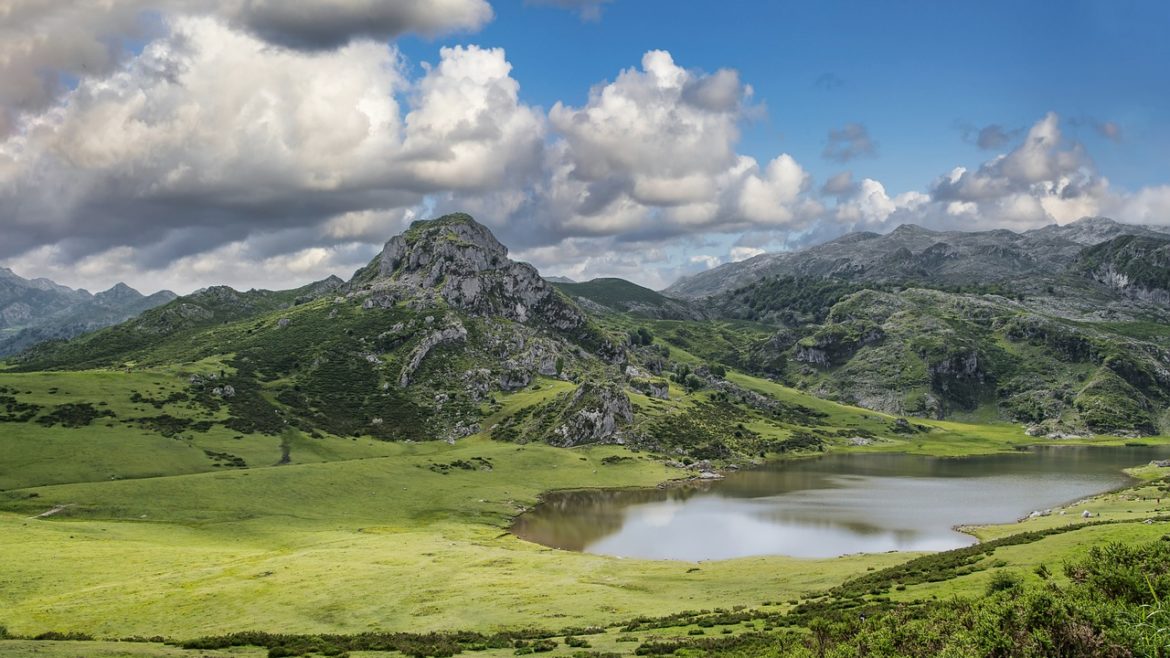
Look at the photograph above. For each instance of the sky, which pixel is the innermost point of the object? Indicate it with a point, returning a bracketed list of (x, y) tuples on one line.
[(268, 143)]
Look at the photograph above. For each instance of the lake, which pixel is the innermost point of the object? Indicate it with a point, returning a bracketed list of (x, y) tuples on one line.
[(828, 506)]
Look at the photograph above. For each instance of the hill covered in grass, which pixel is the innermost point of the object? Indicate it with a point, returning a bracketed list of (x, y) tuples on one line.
[(335, 468), (1063, 329), (423, 342), (610, 294)]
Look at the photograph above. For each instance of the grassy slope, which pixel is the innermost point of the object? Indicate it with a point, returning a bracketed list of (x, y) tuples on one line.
[(359, 534), (614, 292), (401, 545)]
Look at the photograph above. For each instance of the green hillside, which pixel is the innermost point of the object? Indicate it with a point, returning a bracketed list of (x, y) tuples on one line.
[(339, 465)]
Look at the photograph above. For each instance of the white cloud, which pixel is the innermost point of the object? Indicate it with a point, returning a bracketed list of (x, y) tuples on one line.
[(44, 44), (648, 128), (870, 205), (651, 155), (1150, 205), (289, 139), (770, 198), (162, 169), (744, 253)]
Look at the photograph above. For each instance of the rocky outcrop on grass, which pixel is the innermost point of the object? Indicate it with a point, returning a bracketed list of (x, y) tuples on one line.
[(595, 414)]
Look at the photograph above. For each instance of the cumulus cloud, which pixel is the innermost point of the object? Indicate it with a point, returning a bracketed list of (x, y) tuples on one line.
[(290, 139), (849, 142), (869, 205), (839, 184), (650, 156), (990, 137), (161, 169), (1044, 179), (666, 131), (45, 46)]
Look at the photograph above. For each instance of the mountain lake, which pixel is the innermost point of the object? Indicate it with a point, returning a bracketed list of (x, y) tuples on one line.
[(831, 505)]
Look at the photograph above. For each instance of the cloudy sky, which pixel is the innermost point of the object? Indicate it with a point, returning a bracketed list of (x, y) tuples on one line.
[(267, 143)]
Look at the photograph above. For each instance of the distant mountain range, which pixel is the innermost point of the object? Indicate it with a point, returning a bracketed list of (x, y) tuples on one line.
[(36, 310), (911, 254)]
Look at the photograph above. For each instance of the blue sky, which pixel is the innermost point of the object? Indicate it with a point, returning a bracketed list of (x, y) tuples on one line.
[(184, 143), (912, 72)]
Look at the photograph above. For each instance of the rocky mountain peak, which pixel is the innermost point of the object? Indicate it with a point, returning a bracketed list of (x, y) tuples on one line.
[(119, 292), (459, 260), (452, 242), (911, 229)]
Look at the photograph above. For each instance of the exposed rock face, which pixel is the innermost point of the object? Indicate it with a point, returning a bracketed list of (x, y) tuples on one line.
[(452, 334), (596, 414), (514, 378), (655, 388), (318, 289), (835, 343), (1136, 266), (458, 259)]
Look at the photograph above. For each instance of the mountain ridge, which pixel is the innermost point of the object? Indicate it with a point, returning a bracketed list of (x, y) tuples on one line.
[(36, 310), (442, 320), (911, 253)]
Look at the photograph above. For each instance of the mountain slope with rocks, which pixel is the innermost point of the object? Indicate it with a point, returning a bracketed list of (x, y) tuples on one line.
[(33, 311), (418, 344), (1062, 328), (911, 255), (443, 336)]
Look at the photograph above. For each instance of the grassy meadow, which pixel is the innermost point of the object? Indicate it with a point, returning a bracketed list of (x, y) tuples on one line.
[(115, 530)]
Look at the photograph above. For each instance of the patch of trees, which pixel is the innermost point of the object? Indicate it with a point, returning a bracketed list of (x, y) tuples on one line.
[(641, 336), (16, 411), (73, 415)]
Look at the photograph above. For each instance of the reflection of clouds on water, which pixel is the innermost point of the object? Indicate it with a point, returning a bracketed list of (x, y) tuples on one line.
[(657, 515), (702, 531), (826, 507)]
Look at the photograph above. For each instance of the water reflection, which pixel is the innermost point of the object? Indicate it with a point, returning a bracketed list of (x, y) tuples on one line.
[(828, 506)]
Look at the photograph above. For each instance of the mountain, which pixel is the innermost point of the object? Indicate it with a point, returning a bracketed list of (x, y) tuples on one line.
[(442, 335), (1137, 266), (911, 254), (33, 311), (618, 295), (1061, 328), (412, 346)]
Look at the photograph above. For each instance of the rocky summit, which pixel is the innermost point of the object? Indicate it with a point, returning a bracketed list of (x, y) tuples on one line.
[(458, 260)]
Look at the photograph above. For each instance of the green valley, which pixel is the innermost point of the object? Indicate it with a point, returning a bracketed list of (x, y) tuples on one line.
[(335, 469)]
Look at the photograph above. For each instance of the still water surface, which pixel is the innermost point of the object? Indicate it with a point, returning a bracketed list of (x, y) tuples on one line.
[(828, 506)]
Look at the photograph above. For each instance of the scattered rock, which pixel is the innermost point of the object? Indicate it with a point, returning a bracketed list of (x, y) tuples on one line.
[(453, 334), (596, 413)]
